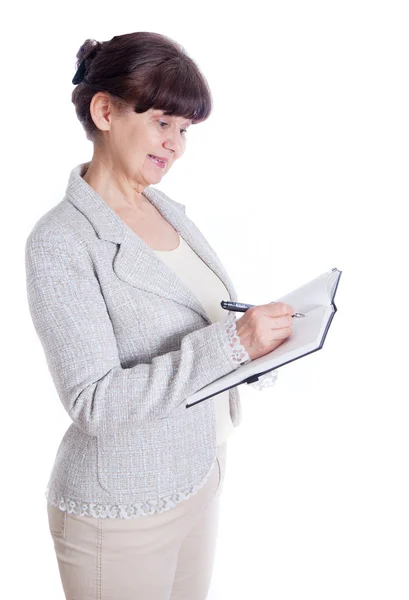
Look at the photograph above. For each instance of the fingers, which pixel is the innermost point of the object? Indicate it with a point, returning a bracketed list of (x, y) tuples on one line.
[(278, 309)]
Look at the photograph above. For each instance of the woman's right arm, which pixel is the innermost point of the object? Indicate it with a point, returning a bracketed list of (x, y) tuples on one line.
[(76, 333)]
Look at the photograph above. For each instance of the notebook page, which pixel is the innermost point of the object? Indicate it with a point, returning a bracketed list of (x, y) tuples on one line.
[(311, 295)]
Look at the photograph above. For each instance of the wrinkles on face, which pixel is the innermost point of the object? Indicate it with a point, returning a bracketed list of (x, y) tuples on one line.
[(121, 168)]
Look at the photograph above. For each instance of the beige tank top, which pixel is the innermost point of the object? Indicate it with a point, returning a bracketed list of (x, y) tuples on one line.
[(210, 291)]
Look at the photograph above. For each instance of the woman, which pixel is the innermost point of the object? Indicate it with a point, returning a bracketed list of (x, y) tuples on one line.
[(124, 292)]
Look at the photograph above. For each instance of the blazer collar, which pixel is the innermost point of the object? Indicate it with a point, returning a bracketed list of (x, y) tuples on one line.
[(135, 261)]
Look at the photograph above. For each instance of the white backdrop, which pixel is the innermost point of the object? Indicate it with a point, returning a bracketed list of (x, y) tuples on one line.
[(301, 167)]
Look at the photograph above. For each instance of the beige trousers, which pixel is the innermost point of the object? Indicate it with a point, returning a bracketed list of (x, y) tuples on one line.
[(166, 556)]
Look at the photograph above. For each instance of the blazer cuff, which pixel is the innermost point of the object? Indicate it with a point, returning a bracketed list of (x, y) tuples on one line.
[(236, 352)]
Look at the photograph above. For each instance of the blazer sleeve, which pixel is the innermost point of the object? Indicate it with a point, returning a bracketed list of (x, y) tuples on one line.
[(71, 319)]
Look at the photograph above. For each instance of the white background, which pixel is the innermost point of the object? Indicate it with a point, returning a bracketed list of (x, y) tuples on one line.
[(301, 167)]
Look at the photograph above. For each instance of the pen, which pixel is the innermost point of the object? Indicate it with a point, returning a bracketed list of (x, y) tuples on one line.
[(241, 307)]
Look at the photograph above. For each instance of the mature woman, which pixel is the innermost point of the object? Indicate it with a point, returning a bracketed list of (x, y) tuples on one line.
[(124, 292)]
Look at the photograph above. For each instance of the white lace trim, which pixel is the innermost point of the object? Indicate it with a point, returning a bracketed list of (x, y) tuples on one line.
[(238, 351), (265, 381), (123, 511)]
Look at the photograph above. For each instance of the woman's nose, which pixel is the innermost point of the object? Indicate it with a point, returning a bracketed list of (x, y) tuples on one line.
[(174, 144)]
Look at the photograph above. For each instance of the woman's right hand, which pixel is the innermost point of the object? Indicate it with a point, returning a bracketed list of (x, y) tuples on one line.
[(264, 327)]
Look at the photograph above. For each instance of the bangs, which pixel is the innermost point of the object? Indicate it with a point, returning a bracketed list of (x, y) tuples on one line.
[(177, 89)]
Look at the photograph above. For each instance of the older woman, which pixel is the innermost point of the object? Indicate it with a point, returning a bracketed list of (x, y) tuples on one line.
[(124, 293)]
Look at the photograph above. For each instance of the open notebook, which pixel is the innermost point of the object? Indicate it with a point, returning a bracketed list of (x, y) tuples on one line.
[(316, 300)]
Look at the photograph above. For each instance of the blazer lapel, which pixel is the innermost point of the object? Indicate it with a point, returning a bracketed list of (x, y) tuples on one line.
[(135, 262)]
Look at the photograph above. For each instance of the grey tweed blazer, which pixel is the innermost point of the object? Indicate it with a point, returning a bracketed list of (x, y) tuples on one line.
[(126, 341)]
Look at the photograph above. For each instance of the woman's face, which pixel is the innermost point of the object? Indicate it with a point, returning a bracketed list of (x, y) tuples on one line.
[(130, 138)]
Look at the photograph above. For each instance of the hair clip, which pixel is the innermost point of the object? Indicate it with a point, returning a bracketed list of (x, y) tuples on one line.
[(80, 74)]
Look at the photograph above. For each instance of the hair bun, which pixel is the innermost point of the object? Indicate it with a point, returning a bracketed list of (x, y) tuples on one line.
[(85, 54)]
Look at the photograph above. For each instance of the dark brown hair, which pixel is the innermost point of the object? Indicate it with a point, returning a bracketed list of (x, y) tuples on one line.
[(141, 70)]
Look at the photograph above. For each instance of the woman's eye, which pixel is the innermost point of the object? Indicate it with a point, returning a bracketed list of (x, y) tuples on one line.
[(164, 123)]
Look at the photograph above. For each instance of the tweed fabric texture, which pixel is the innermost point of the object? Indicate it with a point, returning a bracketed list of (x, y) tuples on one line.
[(125, 341)]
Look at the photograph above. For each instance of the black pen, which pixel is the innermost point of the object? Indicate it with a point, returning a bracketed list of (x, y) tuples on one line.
[(240, 307)]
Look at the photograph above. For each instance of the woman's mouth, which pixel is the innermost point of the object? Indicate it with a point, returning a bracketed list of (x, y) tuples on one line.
[(156, 161)]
